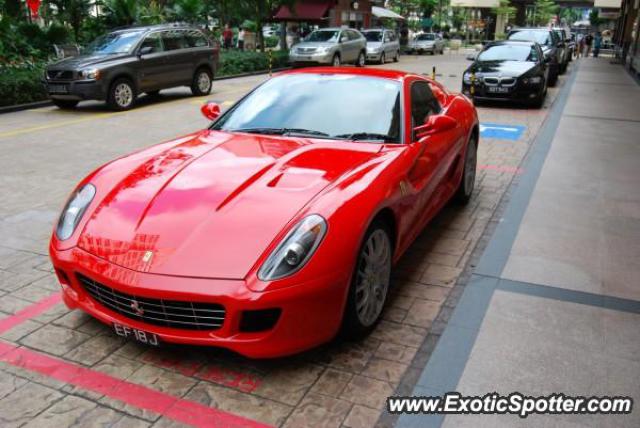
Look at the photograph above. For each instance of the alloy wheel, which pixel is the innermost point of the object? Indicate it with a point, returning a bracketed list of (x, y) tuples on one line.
[(373, 277), (204, 82), (123, 95)]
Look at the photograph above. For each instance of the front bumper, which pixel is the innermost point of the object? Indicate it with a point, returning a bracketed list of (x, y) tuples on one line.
[(76, 89), (311, 58), (518, 93), (421, 48), (311, 313), (374, 56)]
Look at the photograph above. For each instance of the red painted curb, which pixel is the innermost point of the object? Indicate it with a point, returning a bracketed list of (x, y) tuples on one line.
[(30, 311)]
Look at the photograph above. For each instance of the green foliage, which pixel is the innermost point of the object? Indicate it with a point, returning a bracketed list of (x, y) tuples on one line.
[(20, 85), (21, 42), (119, 13), (544, 11), (594, 18), (570, 15), (152, 13), (506, 9), (240, 62), (57, 34), (192, 11)]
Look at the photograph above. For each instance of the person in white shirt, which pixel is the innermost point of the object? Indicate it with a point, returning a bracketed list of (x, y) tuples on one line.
[(241, 39)]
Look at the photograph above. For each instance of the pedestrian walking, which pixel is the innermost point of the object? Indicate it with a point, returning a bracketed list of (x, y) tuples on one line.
[(588, 41), (227, 37), (597, 44), (580, 41), (241, 35)]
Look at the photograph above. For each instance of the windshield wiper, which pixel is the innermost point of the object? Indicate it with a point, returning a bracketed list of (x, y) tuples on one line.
[(281, 131), (363, 136)]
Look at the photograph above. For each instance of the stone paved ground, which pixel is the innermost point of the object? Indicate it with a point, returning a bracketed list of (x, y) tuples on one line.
[(44, 152)]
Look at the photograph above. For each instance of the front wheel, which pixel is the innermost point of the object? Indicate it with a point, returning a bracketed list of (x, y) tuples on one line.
[(201, 84), (370, 283), (383, 58), (65, 104), (336, 60), (360, 62), (465, 189), (396, 57), (122, 95)]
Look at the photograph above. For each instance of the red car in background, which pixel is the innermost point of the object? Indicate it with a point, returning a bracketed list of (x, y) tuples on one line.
[(277, 226)]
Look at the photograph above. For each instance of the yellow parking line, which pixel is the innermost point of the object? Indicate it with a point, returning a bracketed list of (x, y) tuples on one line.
[(54, 125)]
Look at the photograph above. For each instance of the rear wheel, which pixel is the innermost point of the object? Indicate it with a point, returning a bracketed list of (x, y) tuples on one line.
[(122, 95), (65, 104), (201, 84), (383, 59), (360, 62), (465, 189), (370, 283), (336, 60)]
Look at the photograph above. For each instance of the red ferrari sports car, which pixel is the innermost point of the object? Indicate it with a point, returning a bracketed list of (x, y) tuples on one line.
[(276, 227)]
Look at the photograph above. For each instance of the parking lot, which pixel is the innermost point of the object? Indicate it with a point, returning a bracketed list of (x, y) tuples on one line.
[(60, 368)]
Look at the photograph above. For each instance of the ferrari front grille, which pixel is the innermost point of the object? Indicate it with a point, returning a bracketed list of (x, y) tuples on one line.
[(166, 313)]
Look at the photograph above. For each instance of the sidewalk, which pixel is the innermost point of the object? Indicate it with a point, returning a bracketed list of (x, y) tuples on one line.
[(554, 304)]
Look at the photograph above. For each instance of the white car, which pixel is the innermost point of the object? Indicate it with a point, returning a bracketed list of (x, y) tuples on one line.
[(426, 42)]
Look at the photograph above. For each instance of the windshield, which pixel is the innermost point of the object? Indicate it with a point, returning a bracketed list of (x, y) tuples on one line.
[(541, 37), (337, 106), (373, 36), (508, 53), (323, 36), (114, 43), (426, 37)]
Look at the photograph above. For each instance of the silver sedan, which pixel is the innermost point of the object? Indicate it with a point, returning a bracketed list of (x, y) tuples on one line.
[(333, 46), (426, 42)]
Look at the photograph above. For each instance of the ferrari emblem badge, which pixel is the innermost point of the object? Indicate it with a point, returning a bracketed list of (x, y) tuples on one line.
[(148, 255)]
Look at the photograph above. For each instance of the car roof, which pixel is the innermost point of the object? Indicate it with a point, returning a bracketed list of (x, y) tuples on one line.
[(512, 42), (354, 71), (173, 26)]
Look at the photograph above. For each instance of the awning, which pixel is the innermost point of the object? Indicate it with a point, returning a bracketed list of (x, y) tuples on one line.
[(313, 10), (381, 12)]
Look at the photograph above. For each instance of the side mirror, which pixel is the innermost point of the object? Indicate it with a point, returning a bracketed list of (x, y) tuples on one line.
[(210, 110), (471, 57), (145, 50), (434, 125)]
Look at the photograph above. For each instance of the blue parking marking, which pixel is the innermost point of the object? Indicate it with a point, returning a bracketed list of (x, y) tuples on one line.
[(501, 131)]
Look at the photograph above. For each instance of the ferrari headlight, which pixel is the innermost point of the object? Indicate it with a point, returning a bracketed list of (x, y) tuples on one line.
[(295, 249), (74, 210), (92, 73)]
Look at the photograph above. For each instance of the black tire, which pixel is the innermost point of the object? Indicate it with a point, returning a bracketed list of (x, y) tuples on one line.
[(352, 324), (117, 98), (202, 82), (336, 61), (465, 188), (538, 101), (65, 104), (383, 58), (396, 57), (361, 60), (553, 77)]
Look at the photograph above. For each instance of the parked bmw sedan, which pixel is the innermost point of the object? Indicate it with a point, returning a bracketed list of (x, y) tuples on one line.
[(382, 45), (119, 66), (278, 225), (426, 42), (550, 44), (332, 46), (508, 71)]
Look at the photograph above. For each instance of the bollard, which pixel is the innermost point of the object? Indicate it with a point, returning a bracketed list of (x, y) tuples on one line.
[(433, 73), (472, 88), (270, 62)]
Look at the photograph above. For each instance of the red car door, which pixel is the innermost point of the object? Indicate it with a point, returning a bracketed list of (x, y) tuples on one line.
[(433, 155)]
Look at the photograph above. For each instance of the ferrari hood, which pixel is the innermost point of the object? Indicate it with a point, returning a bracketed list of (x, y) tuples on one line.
[(210, 205)]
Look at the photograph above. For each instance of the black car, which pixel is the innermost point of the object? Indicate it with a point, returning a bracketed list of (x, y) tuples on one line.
[(508, 71), (567, 47), (552, 47), (118, 66)]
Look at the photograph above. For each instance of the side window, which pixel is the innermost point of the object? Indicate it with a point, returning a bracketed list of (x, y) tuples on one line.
[(173, 40), (423, 103), (152, 41), (344, 37), (195, 39), (353, 35), (392, 36)]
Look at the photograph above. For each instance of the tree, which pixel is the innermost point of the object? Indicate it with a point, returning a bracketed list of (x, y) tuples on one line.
[(570, 15), (594, 18), (505, 9), (121, 12), (74, 13), (191, 11), (544, 11)]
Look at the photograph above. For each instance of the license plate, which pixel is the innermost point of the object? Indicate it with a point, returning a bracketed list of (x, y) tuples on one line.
[(137, 335), (498, 89), (58, 89)]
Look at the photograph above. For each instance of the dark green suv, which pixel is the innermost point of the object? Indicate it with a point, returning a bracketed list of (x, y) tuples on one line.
[(119, 66)]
